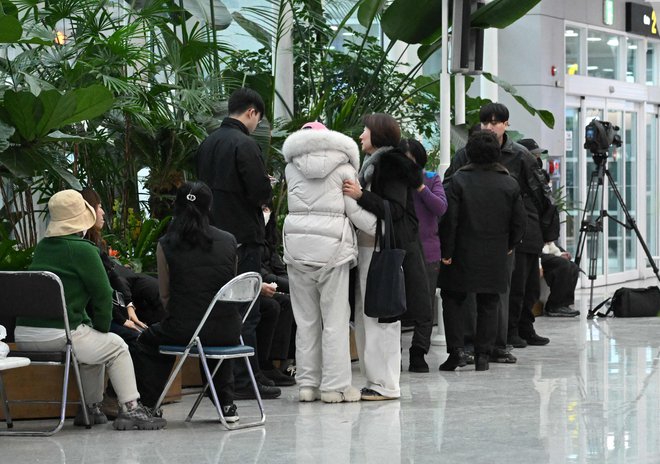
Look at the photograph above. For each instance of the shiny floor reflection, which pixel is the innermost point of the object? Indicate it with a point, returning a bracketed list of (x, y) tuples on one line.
[(591, 396)]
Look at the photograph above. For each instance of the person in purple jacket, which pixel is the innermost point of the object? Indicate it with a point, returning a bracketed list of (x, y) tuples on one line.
[(430, 205)]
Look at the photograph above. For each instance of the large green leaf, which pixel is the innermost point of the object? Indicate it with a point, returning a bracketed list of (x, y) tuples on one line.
[(255, 30), (54, 106), (201, 9), (369, 9), (422, 23), (91, 102), (546, 116), (10, 29), (398, 17), (22, 108), (501, 13)]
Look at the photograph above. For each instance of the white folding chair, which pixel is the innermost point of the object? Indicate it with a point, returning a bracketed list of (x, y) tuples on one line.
[(39, 294), (244, 288)]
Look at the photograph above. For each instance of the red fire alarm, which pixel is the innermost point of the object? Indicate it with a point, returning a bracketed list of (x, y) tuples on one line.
[(553, 70)]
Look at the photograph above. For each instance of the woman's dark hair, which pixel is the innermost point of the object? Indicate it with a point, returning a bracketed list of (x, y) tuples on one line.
[(493, 112), (416, 149), (483, 148), (190, 226), (385, 130), (93, 234)]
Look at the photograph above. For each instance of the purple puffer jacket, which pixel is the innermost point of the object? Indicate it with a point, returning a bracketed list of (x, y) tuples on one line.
[(430, 205)]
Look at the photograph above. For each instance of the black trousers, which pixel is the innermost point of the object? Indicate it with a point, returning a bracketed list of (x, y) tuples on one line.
[(418, 300), (423, 323), (453, 317), (470, 311), (152, 369), (274, 329), (524, 293), (249, 260), (561, 275)]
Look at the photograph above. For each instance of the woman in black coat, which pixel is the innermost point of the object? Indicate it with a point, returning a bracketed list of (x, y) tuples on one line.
[(387, 174), (485, 220)]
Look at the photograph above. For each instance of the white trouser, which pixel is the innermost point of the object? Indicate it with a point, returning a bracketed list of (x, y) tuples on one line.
[(378, 345), (96, 351), (320, 305)]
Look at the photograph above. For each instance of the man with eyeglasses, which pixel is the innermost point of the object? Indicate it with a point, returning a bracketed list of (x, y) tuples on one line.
[(515, 321), (231, 163)]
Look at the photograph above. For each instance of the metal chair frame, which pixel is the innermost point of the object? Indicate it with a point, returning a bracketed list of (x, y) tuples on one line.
[(194, 348), (45, 300)]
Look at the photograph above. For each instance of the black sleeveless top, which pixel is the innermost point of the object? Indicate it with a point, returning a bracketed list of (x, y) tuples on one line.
[(196, 275)]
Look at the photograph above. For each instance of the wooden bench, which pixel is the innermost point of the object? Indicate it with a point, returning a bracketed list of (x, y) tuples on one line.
[(45, 382)]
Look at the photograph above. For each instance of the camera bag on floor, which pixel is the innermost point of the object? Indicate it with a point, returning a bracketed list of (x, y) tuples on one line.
[(632, 302)]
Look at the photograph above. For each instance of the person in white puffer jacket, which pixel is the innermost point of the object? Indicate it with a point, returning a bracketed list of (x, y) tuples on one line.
[(320, 248)]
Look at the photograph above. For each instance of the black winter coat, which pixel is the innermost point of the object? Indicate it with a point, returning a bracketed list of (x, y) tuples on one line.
[(522, 166), (394, 179), (485, 219), (230, 162)]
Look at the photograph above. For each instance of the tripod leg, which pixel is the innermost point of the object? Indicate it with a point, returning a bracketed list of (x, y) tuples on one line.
[(588, 222)]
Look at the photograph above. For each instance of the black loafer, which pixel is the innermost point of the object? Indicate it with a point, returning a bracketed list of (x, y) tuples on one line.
[(537, 340)]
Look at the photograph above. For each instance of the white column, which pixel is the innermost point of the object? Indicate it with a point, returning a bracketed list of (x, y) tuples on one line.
[(488, 89), (283, 66), (445, 92)]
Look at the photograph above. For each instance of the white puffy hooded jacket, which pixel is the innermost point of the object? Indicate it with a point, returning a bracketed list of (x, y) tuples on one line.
[(317, 231)]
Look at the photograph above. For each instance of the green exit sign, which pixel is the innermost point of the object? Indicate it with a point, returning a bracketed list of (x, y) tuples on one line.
[(608, 12)]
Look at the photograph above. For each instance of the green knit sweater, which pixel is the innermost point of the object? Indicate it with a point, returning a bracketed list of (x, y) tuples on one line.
[(77, 263)]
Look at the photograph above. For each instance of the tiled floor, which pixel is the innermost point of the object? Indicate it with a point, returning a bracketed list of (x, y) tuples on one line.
[(591, 396)]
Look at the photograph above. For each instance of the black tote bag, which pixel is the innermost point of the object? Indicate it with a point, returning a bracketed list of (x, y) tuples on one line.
[(385, 295)]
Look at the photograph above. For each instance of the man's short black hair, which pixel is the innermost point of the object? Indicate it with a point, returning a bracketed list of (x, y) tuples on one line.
[(483, 148), (243, 99), (493, 112)]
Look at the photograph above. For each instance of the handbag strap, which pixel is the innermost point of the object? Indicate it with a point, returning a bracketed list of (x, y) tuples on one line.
[(386, 239)]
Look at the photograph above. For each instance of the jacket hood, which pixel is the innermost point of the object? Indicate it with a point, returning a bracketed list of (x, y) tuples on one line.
[(316, 153)]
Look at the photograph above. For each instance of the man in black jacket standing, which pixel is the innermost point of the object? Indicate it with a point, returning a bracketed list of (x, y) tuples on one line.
[(231, 163), (522, 166)]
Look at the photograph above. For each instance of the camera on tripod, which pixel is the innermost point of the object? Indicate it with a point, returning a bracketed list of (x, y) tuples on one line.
[(599, 136)]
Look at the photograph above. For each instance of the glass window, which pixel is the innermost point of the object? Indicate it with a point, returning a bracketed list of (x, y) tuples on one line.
[(603, 55), (651, 68), (572, 36), (632, 54)]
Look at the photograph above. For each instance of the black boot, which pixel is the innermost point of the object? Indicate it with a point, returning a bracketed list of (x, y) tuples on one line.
[(456, 359), (481, 362), (417, 363)]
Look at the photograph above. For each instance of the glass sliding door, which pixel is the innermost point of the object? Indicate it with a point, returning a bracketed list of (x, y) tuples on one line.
[(615, 249), (571, 189), (651, 191)]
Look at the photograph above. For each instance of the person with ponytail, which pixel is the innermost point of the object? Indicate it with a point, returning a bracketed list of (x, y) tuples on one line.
[(194, 260)]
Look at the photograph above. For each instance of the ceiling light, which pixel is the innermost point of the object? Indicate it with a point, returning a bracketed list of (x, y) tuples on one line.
[(594, 39)]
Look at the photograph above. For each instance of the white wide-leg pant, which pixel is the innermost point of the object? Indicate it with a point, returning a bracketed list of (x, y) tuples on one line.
[(320, 306), (378, 345)]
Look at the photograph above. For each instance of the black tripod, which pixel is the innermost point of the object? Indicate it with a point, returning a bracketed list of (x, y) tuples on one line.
[(592, 225)]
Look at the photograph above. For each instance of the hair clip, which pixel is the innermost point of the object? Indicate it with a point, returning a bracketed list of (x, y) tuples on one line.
[(191, 197)]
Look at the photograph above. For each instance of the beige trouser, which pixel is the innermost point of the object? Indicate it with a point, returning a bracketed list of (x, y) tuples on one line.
[(378, 345), (319, 300), (95, 352)]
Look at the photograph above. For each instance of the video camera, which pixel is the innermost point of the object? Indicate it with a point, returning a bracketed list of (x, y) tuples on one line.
[(599, 136)]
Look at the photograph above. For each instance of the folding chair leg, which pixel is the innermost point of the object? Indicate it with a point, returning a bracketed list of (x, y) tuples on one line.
[(170, 380), (214, 394), (83, 403), (5, 403), (200, 397)]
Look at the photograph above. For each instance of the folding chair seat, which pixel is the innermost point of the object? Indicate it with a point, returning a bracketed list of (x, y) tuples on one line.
[(39, 294), (5, 365), (245, 289)]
